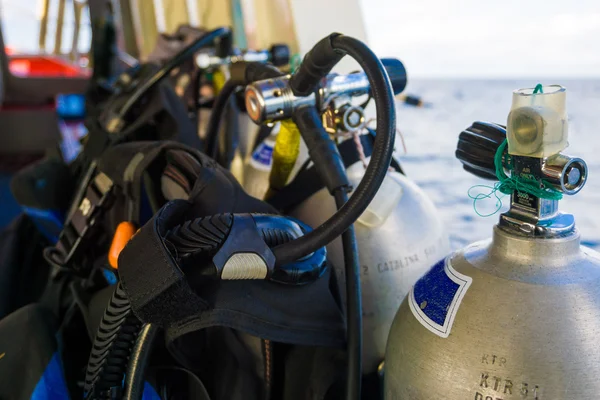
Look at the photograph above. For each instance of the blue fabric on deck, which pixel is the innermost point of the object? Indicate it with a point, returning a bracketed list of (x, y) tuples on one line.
[(9, 208), (51, 385), (149, 393)]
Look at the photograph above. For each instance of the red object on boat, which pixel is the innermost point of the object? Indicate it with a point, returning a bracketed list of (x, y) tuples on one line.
[(43, 66)]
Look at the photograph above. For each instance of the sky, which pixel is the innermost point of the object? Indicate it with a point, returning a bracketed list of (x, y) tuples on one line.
[(20, 25), (488, 38), (440, 38)]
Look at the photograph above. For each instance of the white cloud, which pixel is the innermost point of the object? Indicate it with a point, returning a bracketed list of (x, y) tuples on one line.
[(474, 38)]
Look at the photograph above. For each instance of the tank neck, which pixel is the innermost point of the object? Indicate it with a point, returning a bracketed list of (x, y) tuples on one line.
[(523, 248)]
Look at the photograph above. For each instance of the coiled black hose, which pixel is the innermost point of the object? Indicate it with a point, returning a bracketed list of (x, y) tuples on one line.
[(221, 101), (381, 157), (112, 346), (241, 74)]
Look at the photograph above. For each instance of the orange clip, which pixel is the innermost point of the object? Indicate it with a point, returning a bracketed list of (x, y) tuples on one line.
[(125, 231)]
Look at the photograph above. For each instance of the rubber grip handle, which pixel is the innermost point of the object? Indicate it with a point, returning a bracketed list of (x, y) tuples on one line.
[(397, 73), (317, 63), (321, 148)]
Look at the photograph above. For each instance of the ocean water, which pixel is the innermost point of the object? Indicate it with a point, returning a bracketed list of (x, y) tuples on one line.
[(431, 134)]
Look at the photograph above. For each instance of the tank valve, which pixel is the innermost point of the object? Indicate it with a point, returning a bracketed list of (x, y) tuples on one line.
[(274, 100), (532, 168)]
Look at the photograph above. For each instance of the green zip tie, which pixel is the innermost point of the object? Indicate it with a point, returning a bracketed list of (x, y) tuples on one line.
[(295, 62)]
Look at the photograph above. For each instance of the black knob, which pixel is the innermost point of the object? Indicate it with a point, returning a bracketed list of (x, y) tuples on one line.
[(280, 55), (396, 72), (477, 146), (224, 45)]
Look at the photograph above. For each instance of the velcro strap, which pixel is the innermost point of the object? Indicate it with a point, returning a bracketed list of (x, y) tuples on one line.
[(157, 288)]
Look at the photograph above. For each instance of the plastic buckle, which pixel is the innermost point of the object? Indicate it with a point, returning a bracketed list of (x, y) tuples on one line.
[(82, 221)]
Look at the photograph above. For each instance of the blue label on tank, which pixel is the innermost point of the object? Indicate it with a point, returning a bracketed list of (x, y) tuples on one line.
[(263, 154), (435, 298)]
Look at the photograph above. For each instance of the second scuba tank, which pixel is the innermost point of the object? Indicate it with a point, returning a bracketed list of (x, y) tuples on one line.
[(400, 236), (517, 316), (257, 167)]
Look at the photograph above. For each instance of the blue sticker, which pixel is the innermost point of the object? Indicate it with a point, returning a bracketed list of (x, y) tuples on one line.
[(263, 155), (435, 298)]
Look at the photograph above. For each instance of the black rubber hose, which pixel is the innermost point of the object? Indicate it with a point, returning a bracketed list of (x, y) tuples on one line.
[(112, 346), (205, 40), (353, 307), (134, 379), (214, 123), (228, 140), (377, 169), (241, 74), (197, 85)]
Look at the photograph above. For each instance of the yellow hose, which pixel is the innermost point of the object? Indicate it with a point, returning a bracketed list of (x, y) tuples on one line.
[(285, 154), (218, 81)]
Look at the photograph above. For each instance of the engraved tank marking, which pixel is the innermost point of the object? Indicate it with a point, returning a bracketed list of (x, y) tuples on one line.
[(508, 386), (484, 382), (394, 265), (479, 396), (504, 386), (430, 251), (493, 360), (497, 383)]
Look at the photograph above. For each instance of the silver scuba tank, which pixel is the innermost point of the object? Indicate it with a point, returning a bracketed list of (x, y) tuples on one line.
[(400, 236), (257, 167), (516, 316)]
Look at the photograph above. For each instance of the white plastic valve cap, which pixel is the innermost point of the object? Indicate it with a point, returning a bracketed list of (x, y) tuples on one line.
[(383, 204), (537, 123)]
